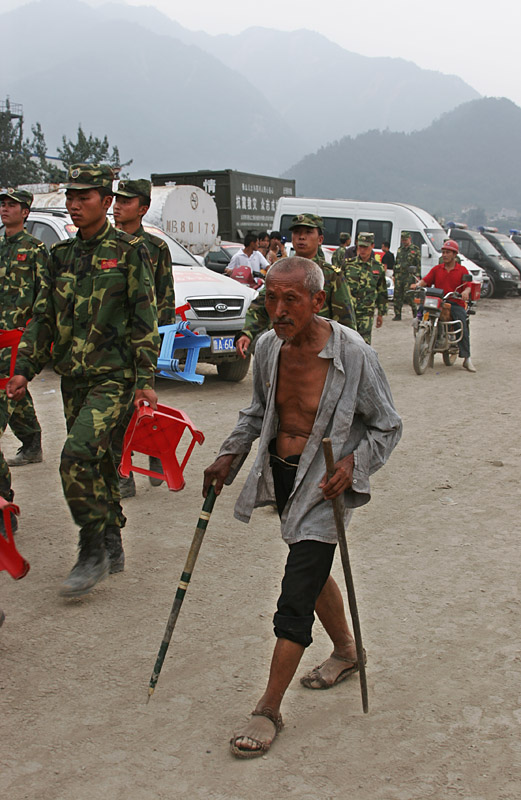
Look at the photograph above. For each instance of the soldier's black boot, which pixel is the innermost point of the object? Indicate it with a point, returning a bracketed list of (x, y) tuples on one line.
[(155, 465), (127, 486), (29, 453), (114, 548), (92, 565)]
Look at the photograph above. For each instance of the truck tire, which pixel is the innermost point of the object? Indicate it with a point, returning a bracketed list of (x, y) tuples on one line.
[(234, 371)]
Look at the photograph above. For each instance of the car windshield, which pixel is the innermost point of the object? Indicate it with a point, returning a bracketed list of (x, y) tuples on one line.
[(487, 248), (231, 249), (436, 237), (510, 247), (180, 256)]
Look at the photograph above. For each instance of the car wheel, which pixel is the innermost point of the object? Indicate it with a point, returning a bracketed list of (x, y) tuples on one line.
[(234, 371), (487, 287)]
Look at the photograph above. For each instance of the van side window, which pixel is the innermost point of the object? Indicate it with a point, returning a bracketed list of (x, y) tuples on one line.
[(382, 230), (417, 239), (464, 247)]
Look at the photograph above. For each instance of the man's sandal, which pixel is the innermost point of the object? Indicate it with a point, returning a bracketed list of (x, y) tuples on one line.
[(315, 676), (260, 746)]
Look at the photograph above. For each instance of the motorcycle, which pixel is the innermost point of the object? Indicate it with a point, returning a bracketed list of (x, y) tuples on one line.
[(435, 331)]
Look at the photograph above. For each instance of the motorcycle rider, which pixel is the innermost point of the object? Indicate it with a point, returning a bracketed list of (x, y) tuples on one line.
[(448, 276)]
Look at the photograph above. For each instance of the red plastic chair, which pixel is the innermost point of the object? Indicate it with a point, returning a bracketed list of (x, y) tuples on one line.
[(10, 339), (10, 558), (157, 434)]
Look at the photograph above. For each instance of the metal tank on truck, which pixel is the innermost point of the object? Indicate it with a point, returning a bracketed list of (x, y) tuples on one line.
[(187, 213)]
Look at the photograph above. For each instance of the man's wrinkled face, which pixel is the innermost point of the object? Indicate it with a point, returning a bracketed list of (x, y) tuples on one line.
[(306, 241), (289, 304)]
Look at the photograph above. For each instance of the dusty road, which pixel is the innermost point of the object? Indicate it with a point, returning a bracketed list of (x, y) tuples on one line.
[(435, 557)]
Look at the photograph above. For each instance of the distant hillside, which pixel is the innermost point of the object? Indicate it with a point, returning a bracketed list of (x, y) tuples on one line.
[(168, 105), (469, 157), (173, 99), (300, 69)]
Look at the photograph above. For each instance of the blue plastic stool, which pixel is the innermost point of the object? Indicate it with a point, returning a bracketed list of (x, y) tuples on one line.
[(179, 336)]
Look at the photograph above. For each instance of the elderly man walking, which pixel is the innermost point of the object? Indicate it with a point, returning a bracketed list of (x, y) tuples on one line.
[(312, 378)]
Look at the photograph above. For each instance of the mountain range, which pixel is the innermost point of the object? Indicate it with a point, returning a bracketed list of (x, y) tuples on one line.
[(173, 99), (468, 157)]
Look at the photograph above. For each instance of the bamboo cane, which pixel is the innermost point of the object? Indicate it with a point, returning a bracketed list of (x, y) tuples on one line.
[(186, 575), (338, 509)]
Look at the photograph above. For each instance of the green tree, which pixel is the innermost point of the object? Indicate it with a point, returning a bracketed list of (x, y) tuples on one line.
[(91, 150), (17, 164)]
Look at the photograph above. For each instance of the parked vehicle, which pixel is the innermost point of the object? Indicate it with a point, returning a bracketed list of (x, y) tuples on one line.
[(504, 245), (220, 256), (218, 304), (245, 202), (385, 220), (436, 332), (503, 277)]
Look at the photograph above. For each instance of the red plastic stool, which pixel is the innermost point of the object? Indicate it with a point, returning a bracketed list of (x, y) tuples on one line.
[(157, 434), (10, 558), (10, 339)]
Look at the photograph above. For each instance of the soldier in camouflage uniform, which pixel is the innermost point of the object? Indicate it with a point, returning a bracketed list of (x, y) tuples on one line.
[(408, 255), (339, 256), (366, 279), (23, 261), (306, 239), (97, 308), (130, 206)]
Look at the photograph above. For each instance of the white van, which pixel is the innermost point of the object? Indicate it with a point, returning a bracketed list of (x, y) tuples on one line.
[(385, 220)]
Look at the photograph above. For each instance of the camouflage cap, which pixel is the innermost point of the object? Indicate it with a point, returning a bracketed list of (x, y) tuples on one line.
[(90, 176), (138, 188), (20, 195), (365, 238), (344, 235), (406, 234), (308, 220)]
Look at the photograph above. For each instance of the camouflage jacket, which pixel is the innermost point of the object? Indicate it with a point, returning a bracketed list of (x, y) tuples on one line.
[(23, 262), (163, 276), (339, 256), (368, 286), (97, 305), (407, 257), (338, 306)]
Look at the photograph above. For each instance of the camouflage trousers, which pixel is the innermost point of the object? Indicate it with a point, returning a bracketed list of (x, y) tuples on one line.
[(21, 417), (364, 326), (5, 474), (87, 469), (119, 433), (402, 281), (23, 420)]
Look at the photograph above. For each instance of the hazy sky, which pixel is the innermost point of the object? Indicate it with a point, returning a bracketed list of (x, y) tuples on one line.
[(477, 40)]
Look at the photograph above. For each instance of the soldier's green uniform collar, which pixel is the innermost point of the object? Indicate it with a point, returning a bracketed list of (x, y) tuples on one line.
[(88, 244), (15, 237)]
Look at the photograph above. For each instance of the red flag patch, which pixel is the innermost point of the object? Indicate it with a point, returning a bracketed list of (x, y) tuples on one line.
[(108, 263), (21, 257)]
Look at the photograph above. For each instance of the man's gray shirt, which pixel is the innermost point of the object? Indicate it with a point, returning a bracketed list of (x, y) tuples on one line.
[(356, 411)]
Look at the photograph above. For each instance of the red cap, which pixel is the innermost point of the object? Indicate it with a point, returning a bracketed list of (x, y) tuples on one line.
[(450, 244)]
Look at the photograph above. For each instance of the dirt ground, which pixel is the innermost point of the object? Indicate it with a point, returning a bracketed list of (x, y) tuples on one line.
[(435, 558)]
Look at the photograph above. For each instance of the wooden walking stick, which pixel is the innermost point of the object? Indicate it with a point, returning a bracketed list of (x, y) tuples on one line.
[(338, 509), (197, 541)]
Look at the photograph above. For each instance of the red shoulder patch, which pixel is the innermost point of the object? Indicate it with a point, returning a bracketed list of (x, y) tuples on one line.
[(21, 257), (108, 263)]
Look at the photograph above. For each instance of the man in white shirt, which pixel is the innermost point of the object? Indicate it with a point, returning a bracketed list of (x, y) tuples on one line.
[(249, 256)]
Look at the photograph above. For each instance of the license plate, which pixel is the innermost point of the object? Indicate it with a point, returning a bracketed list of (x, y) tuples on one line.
[(223, 344)]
